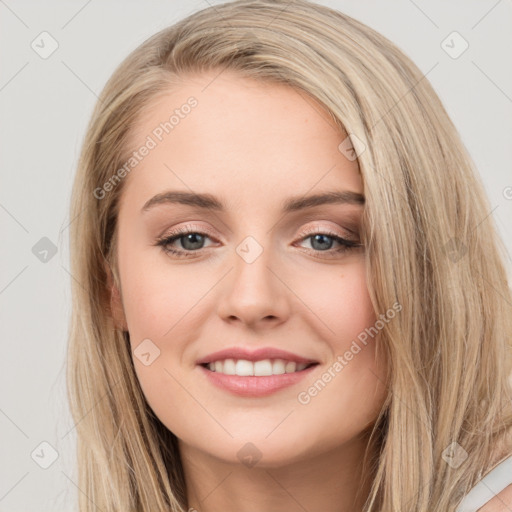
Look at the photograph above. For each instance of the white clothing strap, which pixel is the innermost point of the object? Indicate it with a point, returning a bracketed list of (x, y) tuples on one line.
[(492, 483)]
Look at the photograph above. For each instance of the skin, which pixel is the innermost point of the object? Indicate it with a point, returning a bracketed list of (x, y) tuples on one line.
[(252, 145), (502, 502)]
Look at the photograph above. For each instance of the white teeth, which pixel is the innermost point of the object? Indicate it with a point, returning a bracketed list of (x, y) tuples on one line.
[(244, 368), (229, 367), (278, 367), (262, 368), (265, 367)]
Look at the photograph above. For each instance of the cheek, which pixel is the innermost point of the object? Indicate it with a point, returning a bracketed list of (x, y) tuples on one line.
[(345, 316), (340, 302), (156, 298), (158, 310), (354, 312)]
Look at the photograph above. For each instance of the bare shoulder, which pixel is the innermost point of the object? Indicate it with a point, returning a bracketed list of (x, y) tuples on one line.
[(502, 502)]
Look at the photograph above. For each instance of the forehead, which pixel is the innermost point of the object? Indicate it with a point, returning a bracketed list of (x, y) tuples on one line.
[(239, 137)]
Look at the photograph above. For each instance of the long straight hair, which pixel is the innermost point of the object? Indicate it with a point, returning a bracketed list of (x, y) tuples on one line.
[(430, 240)]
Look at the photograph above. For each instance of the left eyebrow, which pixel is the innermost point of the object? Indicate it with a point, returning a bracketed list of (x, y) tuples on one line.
[(342, 197), (292, 204)]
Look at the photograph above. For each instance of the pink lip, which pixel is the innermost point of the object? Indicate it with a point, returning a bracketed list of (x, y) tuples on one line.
[(254, 355), (254, 386)]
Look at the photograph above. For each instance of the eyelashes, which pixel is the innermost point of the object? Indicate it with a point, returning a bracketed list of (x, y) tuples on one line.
[(318, 237)]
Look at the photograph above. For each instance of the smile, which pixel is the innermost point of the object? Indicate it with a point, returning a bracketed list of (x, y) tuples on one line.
[(255, 378), (261, 368)]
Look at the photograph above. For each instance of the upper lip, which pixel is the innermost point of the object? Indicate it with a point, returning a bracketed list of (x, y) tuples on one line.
[(254, 355)]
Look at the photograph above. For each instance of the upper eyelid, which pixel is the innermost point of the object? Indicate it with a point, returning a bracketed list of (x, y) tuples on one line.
[(323, 229), (176, 232), (303, 234)]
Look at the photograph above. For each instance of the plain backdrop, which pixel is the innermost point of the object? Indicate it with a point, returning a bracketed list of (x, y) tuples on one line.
[(45, 104)]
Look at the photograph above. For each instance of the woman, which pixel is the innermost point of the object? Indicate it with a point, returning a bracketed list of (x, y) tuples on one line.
[(291, 293)]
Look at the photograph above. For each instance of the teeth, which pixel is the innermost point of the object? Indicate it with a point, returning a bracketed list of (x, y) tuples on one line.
[(290, 367), (265, 367), (244, 368), (278, 367), (229, 367)]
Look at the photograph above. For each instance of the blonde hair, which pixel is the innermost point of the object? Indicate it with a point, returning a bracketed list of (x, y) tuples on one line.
[(430, 241)]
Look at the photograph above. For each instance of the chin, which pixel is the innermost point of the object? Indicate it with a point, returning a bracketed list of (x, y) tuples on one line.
[(254, 451)]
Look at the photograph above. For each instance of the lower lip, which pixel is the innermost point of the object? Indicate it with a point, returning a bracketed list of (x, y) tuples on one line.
[(252, 386)]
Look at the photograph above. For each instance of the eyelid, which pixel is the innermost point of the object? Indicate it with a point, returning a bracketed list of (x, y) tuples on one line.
[(303, 232), (328, 230), (189, 228)]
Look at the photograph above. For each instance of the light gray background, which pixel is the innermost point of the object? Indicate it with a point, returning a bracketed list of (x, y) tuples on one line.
[(44, 107)]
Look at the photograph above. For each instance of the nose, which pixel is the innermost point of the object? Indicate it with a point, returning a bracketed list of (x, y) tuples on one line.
[(254, 293)]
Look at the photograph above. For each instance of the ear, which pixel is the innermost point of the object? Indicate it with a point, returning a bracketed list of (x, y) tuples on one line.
[(116, 304)]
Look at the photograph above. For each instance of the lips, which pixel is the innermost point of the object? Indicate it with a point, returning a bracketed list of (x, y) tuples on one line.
[(238, 370), (252, 386)]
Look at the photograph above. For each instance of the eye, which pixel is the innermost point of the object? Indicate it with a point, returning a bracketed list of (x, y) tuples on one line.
[(193, 240), (190, 239), (322, 241)]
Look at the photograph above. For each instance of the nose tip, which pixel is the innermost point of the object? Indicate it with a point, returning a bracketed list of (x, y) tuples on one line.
[(252, 293)]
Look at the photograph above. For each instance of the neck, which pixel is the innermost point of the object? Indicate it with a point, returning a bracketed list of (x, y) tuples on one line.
[(332, 482)]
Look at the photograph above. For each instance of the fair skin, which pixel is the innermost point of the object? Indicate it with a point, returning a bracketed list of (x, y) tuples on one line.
[(502, 502), (252, 146)]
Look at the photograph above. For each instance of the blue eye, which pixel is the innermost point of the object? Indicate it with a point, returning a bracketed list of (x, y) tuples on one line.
[(192, 241), (323, 242)]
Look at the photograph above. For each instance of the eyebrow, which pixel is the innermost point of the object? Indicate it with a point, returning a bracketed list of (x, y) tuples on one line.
[(292, 204)]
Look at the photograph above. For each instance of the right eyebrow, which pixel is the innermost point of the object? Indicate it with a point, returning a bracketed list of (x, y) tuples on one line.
[(206, 201)]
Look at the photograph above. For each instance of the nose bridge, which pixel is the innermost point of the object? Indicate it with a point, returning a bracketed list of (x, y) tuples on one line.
[(252, 291), (252, 280)]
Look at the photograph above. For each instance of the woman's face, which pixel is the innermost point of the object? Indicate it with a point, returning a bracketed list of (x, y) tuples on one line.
[(263, 270)]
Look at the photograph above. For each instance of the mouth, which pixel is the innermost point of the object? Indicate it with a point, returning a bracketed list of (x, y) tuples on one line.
[(255, 373), (260, 368), (255, 379)]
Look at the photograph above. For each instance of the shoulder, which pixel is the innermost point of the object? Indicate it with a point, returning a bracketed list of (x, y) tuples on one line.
[(502, 502)]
